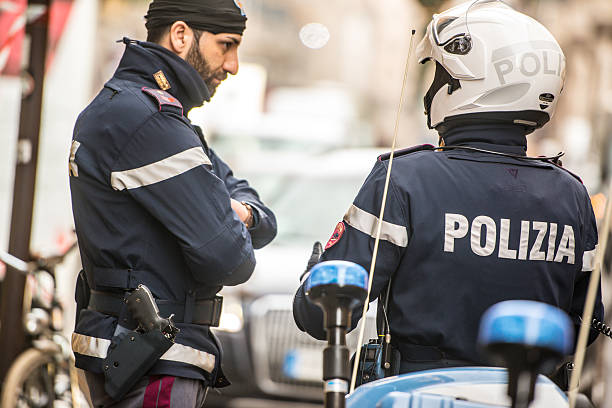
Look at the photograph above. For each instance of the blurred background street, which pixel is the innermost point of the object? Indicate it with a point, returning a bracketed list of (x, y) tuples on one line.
[(304, 120)]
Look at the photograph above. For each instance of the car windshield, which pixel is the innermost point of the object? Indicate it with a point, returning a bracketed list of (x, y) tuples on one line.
[(307, 208)]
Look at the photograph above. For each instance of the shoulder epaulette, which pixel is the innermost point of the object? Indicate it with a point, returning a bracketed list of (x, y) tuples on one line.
[(163, 98), (405, 151), (560, 166)]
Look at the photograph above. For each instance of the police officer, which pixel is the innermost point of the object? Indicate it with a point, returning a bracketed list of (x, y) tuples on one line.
[(475, 221), (154, 205)]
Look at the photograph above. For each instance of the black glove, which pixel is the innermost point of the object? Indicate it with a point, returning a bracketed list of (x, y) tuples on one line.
[(317, 251)]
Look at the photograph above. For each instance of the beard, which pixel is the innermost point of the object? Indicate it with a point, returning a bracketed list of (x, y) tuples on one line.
[(197, 61)]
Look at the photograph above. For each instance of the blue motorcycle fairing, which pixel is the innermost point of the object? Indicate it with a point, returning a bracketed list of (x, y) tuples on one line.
[(479, 385), (416, 399)]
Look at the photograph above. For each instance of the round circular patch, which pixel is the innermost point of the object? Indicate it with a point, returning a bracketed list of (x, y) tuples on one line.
[(336, 235)]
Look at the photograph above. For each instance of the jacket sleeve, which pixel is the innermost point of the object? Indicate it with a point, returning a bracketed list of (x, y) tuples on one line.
[(164, 168), (584, 275), (353, 240), (263, 230)]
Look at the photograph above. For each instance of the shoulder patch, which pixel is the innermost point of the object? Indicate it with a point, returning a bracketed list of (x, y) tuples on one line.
[(336, 235), (163, 98), (408, 150)]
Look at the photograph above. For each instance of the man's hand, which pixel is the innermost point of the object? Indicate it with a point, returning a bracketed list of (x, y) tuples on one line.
[(245, 215), (317, 251)]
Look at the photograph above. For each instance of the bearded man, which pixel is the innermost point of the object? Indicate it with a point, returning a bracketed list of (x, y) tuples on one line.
[(154, 205)]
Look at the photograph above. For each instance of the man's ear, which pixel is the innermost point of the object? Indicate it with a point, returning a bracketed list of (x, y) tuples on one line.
[(179, 38)]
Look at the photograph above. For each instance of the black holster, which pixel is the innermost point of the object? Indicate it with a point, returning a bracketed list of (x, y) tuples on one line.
[(130, 356)]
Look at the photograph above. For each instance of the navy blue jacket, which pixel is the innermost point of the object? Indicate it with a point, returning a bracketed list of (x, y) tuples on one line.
[(462, 231), (151, 205)]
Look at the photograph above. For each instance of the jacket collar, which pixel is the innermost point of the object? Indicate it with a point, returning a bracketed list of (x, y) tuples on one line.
[(499, 138), (142, 59)]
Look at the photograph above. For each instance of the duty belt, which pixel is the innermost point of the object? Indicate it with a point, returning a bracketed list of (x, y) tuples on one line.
[(204, 312)]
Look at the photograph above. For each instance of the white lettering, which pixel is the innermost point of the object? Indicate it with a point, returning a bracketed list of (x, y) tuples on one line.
[(535, 254), (524, 244), (490, 235), (552, 240), (484, 237), (455, 226), (566, 246), (504, 251)]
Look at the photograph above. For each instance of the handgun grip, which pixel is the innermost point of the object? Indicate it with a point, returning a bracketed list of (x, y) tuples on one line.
[(141, 305)]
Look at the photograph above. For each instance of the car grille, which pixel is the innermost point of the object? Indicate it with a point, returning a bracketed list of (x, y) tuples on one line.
[(273, 334)]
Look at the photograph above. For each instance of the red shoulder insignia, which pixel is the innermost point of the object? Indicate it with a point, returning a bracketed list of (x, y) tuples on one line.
[(336, 235), (163, 98), (408, 150)]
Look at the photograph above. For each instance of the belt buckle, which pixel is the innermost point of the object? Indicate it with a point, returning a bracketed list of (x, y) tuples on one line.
[(217, 306)]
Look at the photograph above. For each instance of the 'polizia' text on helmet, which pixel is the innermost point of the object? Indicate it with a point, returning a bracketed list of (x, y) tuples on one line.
[(493, 64)]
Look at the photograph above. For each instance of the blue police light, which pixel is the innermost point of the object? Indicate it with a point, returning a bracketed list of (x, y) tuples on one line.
[(340, 273), (529, 323)]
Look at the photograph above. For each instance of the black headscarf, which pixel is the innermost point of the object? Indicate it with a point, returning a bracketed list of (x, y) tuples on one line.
[(215, 16)]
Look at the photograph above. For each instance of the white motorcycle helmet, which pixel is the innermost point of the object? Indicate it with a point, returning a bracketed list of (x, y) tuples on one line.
[(493, 65)]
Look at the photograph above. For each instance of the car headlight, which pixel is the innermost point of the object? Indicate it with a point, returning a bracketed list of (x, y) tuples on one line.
[(232, 318)]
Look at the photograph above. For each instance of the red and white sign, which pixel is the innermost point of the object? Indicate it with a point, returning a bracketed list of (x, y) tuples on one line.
[(12, 30)]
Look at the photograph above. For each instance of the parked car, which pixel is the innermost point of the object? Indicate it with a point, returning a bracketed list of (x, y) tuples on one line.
[(265, 354)]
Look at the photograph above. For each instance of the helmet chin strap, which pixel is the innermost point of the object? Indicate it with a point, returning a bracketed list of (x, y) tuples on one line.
[(380, 219)]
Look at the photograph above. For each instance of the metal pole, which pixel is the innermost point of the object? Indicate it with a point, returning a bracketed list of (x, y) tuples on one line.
[(336, 367), (12, 339)]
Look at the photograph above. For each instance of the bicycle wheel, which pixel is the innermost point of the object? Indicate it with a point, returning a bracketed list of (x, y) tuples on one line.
[(29, 382)]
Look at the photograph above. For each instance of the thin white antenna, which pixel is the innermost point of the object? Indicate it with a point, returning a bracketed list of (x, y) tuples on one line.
[(380, 219), (589, 303)]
